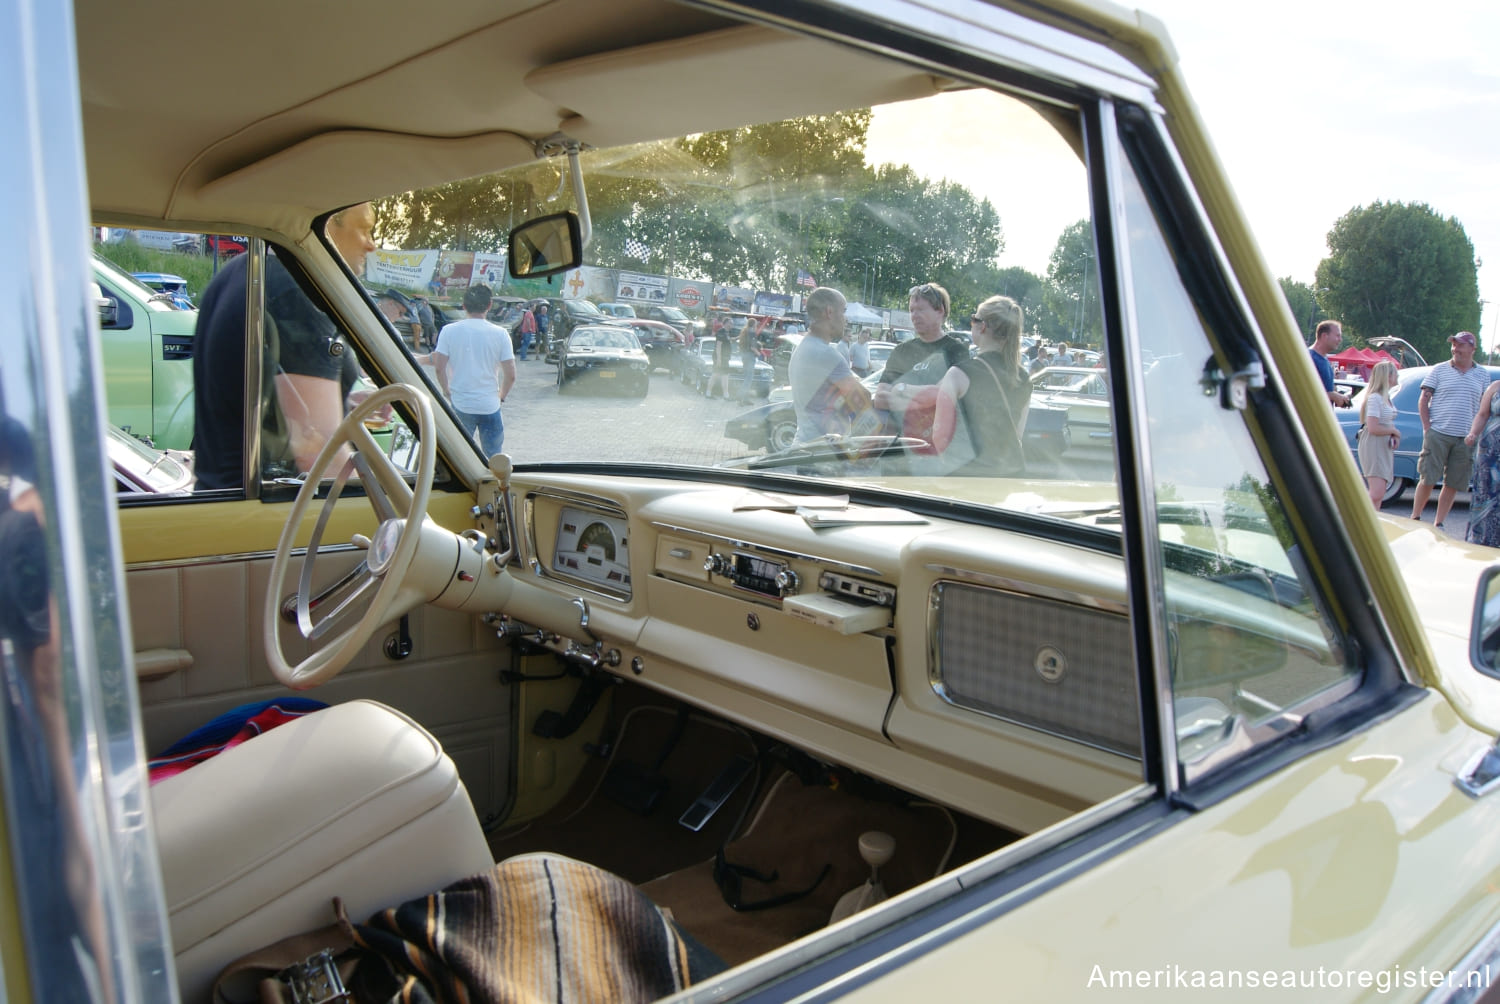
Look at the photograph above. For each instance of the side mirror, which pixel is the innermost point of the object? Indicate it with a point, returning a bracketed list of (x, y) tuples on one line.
[(545, 246), (103, 304), (1484, 635)]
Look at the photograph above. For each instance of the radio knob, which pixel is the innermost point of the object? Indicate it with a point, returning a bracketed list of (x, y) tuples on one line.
[(787, 581), (716, 564)]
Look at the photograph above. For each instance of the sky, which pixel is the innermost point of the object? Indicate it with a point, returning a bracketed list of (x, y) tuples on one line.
[(1314, 107)]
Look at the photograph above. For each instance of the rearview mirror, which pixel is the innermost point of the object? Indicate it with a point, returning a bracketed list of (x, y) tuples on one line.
[(546, 246), (1484, 636)]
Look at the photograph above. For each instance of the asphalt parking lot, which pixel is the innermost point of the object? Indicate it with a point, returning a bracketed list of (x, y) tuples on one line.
[(544, 426)]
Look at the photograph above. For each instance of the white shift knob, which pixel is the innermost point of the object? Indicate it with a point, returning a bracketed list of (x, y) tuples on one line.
[(876, 848)]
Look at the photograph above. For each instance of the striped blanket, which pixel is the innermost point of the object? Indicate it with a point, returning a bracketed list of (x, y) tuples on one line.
[(538, 929)]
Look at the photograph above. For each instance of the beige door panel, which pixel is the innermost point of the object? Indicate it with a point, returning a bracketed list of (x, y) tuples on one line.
[(200, 624)]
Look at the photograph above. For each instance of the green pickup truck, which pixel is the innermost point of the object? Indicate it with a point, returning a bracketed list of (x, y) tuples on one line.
[(148, 359)]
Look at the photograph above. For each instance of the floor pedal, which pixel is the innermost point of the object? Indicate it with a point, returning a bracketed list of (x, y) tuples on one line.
[(717, 793)]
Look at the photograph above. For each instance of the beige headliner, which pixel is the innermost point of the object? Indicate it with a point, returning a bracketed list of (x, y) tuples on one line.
[(185, 121)]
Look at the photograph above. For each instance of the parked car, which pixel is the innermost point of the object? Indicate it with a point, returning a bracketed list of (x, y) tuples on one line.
[(1083, 393), (661, 341), (175, 286), (695, 364), (140, 469), (563, 315), (147, 343), (603, 358), (624, 310), (1408, 421), (667, 315), (1195, 725), (879, 353)]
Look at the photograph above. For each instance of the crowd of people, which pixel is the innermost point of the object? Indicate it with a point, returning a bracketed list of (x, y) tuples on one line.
[(967, 410), (1460, 413)]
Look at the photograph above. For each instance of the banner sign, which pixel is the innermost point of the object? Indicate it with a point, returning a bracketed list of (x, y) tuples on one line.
[(774, 304), (454, 269), (740, 298), (489, 269), (690, 296), (588, 282), (402, 269), (637, 288)]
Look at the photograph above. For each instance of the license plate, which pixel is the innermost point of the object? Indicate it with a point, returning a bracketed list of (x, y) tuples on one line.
[(606, 374)]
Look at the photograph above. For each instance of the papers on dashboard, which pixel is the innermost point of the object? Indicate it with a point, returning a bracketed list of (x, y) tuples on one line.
[(820, 518), (789, 503), (826, 510)]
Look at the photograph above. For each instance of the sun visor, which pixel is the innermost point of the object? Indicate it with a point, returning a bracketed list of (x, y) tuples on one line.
[(347, 166), (615, 97)]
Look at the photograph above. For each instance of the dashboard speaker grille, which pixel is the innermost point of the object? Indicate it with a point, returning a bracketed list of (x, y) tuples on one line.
[(1059, 667)]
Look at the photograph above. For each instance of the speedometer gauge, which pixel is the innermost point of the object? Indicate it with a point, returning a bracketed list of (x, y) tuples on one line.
[(594, 548), (597, 542)]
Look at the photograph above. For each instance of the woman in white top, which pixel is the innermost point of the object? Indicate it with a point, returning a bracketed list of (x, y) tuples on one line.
[(1378, 436)]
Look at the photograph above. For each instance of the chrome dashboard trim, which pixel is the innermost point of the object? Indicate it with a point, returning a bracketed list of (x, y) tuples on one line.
[(595, 503), (1029, 589), (770, 550)]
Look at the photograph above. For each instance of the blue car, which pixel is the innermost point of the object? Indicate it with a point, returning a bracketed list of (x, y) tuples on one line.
[(1408, 421), (175, 286)]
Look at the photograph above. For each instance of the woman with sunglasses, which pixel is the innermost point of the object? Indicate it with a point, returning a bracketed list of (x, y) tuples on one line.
[(986, 397)]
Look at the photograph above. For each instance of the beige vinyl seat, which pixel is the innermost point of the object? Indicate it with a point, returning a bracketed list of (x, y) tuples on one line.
[(356, 801)]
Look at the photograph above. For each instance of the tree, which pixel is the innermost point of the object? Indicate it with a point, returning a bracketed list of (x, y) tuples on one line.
[(1304, 305), (1073, 284), (1401, 269)]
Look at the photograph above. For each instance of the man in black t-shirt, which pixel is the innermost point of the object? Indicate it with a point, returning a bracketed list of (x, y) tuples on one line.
[(920, 361), (307, 363)]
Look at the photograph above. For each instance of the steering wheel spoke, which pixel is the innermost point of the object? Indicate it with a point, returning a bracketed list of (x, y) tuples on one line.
[(367, 597)]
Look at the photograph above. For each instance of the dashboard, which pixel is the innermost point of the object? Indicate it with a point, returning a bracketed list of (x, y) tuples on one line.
[(961, 662)]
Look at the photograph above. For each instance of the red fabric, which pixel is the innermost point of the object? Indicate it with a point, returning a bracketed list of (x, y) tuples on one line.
[(931, 416), (176, 761)]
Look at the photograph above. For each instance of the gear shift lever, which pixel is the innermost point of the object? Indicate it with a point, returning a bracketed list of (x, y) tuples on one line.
[(877, 849)]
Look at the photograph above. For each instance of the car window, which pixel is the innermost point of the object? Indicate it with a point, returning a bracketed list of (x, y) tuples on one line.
[(150, 338), (1251, 647)]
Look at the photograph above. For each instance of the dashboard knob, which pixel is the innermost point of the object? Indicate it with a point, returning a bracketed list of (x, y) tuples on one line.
[(787, 581), (716, 564)]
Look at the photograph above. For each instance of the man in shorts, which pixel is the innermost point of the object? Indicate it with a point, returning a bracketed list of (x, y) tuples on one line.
[(1450, 399)]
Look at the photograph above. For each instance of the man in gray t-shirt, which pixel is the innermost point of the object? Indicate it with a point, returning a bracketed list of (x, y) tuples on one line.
[(825, 392), (1448, 404)]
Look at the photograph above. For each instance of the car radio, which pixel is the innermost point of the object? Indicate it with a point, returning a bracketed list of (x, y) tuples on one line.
[(757, 574)]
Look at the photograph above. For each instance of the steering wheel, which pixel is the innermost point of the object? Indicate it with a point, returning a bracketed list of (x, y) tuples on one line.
[(374, 586)]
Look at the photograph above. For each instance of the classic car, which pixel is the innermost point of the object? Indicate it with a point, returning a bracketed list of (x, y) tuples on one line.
[(661, 341), (857, 729), (139, 468), (695, 364), (1408, 421), (1085, 395), (603, 358)]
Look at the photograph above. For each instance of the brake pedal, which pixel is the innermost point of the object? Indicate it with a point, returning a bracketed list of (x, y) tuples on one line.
[(717, 793)]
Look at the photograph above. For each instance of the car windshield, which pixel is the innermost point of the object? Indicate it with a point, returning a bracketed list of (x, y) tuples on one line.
[(602, 338), (753, 229)]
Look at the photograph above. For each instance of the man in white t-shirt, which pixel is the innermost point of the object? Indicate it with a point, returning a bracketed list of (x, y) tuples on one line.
[(476, 367)]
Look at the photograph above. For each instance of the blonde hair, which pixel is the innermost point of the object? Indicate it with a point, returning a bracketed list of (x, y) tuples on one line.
[(1002, 316), (1382, 379)]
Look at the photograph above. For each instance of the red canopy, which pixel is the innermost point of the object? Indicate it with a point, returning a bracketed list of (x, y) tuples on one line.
[(1355, 357)]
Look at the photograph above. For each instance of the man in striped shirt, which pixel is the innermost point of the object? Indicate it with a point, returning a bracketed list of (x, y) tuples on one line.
[(1449, 402)]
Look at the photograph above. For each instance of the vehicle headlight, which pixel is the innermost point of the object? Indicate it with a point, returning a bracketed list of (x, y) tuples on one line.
[(638, 365), (572, 363)]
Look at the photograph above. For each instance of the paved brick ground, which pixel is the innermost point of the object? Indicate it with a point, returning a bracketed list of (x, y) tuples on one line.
[(672, 424)]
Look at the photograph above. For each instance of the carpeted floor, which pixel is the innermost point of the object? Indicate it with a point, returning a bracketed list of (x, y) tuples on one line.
[(797, 832), (786, 827)]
